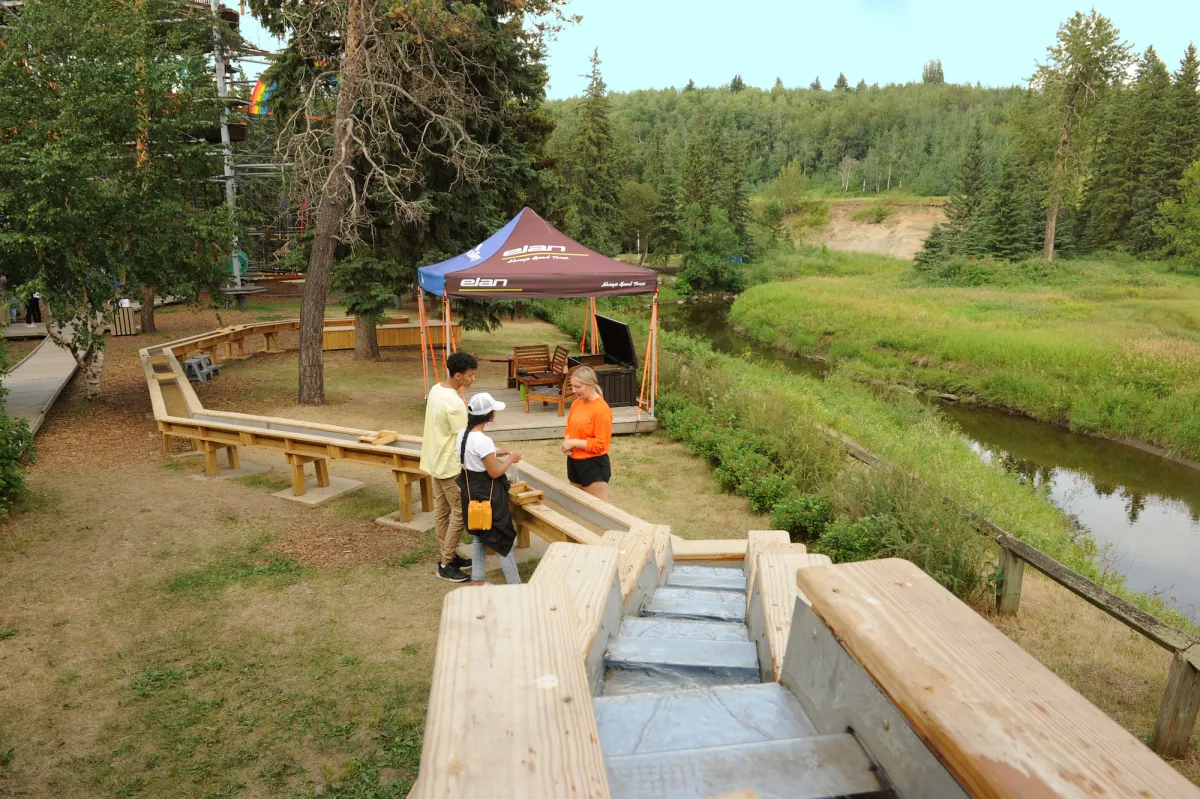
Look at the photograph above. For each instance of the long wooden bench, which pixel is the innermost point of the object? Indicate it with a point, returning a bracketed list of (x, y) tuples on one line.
[(510, 709), (1001, 724), (589, 573)]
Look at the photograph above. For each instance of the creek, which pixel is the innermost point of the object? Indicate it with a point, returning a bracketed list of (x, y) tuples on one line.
[(1144, 507)]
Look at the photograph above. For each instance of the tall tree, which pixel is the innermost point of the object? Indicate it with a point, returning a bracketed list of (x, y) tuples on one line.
[(731, 196), (691, 86), (972, 183), (1087, 57), (816, 84), (701, 164), (1152, 104), (1007, 216), (592, 169), (932, 73), (736, 85), (101, 107), (842, 84), (1179, 220)]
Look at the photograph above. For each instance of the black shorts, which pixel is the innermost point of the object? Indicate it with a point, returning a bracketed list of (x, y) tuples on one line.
[(585, 471)]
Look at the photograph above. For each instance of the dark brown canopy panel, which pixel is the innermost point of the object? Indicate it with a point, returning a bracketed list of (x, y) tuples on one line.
[(529, 258)]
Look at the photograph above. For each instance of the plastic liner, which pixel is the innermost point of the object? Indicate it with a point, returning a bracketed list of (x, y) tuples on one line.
[(619, 682)]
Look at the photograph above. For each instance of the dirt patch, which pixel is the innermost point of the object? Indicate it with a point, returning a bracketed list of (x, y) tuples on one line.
[(900, 234)]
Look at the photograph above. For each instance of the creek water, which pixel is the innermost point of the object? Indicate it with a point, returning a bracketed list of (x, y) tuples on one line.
[(1144, 507)]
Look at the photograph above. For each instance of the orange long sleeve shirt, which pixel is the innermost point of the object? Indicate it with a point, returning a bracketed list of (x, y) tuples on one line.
[(590, 422)]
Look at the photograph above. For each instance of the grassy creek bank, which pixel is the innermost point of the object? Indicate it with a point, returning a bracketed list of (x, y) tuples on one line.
[(1109, 347)]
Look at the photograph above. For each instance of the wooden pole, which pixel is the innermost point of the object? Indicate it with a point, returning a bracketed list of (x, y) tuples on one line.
[(424, 338), (1011, 572), (1180, 702)]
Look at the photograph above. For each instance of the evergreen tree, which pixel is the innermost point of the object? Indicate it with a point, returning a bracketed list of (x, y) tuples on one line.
[(972, 183), (709, 248), (842, 84), (932, 73), (816, 84), (594, 176), (1179, 220), (1007, 217), (668, 214), (778, 87), (730, 189), (691, 86), (861, 87), (701, 165), (1106, 207), (1153, 107), (1184, 140), (736, 85)]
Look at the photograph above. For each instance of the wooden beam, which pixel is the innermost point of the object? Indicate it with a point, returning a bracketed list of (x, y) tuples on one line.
[(1001, 723), (1008, 591), (638, 569), (1132, 616), (720, 549), (510, 709), (771, 601), (1180, 704)]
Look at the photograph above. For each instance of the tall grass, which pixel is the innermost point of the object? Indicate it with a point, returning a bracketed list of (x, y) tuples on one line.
[(1108, 346)]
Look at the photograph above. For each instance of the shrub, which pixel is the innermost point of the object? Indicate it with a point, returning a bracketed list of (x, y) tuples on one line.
[(804, 516), (870, 537), (16, 452)]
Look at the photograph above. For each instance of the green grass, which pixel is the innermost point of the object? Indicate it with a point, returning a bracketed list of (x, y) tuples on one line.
[(1109, 346), (253, 564)]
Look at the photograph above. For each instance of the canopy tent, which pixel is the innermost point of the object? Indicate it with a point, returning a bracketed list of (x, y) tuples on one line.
[(529, 259)]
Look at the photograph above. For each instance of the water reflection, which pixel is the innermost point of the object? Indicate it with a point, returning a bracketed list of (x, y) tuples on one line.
[(1146, 507)]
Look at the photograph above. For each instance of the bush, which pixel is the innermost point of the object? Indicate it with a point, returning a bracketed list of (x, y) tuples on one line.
[(16, 452), (868, 538), (804, 516)]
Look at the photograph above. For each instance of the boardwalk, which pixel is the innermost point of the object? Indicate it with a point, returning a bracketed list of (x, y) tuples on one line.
[(543, 421), (37, 381)]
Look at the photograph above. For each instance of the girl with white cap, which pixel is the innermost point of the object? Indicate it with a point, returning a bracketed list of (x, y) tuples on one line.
[(483, 480)]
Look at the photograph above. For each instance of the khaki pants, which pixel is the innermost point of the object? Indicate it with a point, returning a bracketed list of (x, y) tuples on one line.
[(447, 516)]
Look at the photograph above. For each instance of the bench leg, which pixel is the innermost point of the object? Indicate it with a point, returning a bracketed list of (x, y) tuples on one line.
[(322, 467), (297, 479), (168, 449), (427, 494), (235, 461), (404, 486), (522, 541), (210, 459)]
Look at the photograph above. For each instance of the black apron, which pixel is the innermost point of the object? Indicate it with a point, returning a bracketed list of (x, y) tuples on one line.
[(500, 537)]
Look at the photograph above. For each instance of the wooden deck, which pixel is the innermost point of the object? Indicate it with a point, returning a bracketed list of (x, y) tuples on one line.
[(21, 330), (543, 421)]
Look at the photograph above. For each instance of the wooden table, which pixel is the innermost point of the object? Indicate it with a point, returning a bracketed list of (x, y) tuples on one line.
[(507, 361)]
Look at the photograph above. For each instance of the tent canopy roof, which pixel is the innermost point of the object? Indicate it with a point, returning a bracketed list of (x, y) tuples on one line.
[(528, 258)]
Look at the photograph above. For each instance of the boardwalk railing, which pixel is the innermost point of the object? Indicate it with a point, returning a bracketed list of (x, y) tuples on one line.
[(1181, 699)]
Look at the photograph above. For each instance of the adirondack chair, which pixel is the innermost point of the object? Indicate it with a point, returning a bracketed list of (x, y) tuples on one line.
[(557, 392), (536, 370)]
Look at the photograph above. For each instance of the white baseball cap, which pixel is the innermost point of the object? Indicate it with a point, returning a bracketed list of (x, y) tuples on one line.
[(484, 403)]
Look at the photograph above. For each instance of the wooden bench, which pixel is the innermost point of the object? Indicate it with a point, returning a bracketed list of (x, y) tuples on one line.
[(638, 569), (771, 601), (510, 709), (589, 573), (1001, 724), (554, 388)]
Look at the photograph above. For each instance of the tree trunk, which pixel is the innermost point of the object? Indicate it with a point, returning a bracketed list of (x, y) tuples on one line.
[(148, 310), (366, 340), (1051, 224), (93, 365), (329, 214)]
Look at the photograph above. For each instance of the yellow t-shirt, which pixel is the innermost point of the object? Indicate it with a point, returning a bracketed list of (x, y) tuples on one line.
[(445, 415)]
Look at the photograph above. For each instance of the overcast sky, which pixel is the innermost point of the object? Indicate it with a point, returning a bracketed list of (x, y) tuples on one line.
[(659, 43)]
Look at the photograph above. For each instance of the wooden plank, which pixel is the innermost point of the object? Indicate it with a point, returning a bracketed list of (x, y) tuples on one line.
[(1001, 723), (1180, 703), (510, 710), (719, 549), (664, 558), (771, 603), (526, 497), (553, 526), (758, 541), (590, 577), (637, 571), (1133, 617), (576, 501)]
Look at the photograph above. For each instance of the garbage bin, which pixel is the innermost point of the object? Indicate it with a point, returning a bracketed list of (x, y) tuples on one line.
[(123, 322)]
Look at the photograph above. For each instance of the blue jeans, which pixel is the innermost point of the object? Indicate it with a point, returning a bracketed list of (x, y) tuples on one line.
[(508, 564)]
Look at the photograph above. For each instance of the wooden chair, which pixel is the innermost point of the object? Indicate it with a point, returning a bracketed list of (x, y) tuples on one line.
[(557, 392), (531, 361)]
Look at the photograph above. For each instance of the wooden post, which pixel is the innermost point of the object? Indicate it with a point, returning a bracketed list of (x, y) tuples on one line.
[(1180, 702), (1012, 571), (427, 493), (168, 450), (297, 474), (322, 467), (404, 485), (210, 459), (234, 461)]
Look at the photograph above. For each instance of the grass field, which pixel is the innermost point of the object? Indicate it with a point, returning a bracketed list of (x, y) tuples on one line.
[(1109, 347)]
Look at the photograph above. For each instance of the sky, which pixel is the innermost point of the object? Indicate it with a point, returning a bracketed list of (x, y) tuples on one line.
[(659, 43)]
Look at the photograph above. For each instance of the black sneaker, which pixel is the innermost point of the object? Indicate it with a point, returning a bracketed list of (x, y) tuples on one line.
[(451, 573), (460, 562)]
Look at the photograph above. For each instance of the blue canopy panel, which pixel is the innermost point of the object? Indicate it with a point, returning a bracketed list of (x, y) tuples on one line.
[(432, 278)]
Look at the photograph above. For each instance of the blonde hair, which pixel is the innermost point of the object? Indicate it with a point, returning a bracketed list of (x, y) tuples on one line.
[(587, 376)]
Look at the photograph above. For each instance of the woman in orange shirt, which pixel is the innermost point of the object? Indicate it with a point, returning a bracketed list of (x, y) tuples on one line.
[(589, 429)]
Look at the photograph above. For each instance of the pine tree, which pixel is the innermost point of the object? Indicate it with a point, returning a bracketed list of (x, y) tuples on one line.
[(842, 84), (1184, 141), (668, 214), (730, 192), (593, 175), (1007, 217), (1153, 114), (691, 86), (778, 85), (972, 183), (861, 87), (1104, 212), (816, 84), (701, 162), (736, 85)]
